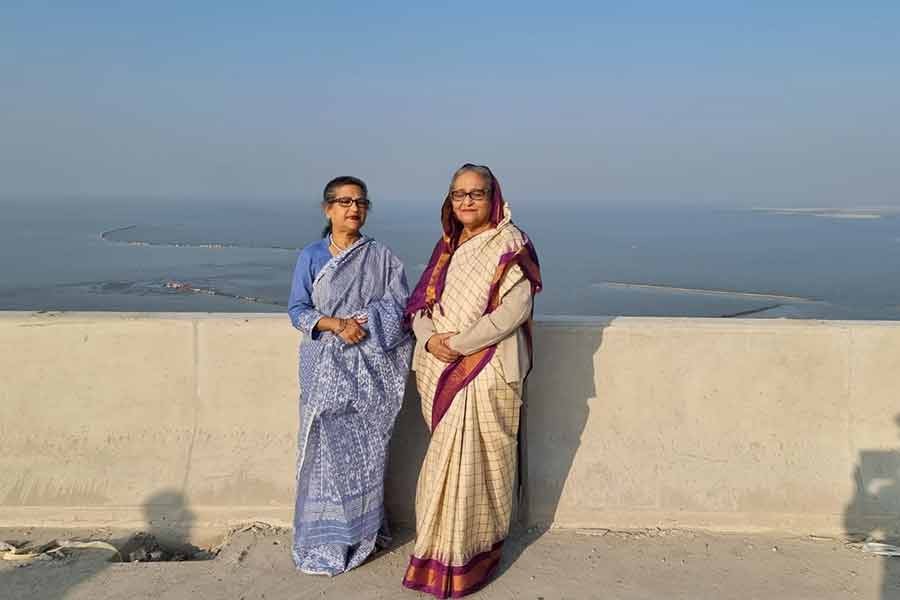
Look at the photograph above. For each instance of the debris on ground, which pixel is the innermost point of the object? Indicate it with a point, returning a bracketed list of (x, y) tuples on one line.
[(258, 527), (880, 549), (53, 549), (145, 547)]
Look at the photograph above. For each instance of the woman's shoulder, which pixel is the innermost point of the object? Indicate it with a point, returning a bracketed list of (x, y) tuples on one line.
[(382, 248), (316, 247), (314, 252), (510, 237)]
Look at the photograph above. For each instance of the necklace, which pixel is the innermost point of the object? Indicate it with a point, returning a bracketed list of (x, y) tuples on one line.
[(336, 247)]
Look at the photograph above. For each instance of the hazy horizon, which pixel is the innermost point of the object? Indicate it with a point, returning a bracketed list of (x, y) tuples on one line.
[(604, 261), (703, 103)]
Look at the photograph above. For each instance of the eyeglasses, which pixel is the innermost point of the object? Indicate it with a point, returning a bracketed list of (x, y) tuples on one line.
[(348, 202), (476, 195)]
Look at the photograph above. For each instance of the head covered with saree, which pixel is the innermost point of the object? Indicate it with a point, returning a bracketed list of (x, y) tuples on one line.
[(428, 291), (466, 280)]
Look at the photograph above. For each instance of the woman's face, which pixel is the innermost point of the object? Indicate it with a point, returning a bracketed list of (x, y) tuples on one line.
[(472, 213), (350, 218)]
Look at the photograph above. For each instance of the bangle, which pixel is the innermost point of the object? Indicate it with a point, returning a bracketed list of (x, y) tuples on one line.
[(343, 323)]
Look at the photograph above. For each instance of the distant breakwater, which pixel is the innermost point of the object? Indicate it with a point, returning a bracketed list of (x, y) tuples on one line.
[(704, 291), (752, 311), (105, 235)]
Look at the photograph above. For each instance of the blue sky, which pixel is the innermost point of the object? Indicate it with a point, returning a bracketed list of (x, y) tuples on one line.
[(718, 103)]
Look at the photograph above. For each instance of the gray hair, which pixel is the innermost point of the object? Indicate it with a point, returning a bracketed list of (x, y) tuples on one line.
[(485, 173)]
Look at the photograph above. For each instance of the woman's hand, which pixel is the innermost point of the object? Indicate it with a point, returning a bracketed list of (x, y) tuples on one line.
[(351, 330), (437, 346)]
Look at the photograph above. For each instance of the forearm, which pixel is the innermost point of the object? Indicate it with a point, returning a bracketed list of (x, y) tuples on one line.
[(497, 325), (332, 324), (314, 323)]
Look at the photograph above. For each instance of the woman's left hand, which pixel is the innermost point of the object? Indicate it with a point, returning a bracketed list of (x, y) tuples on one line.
[(437, 346), (352, 332)]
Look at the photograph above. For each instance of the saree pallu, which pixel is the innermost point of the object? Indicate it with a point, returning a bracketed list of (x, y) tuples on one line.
[(350, 398), (465, 488)]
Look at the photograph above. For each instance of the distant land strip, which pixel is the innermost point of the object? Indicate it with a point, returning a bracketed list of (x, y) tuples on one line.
[(105, 236), (730, 293), (833, 213)]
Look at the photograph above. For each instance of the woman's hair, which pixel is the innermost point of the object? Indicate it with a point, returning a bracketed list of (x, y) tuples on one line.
[(331, 186), (485, 173)]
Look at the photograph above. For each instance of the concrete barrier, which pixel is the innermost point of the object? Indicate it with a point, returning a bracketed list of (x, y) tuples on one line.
[(133, 419)]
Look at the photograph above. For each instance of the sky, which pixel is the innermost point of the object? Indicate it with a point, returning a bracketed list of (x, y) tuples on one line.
[(718, 103)]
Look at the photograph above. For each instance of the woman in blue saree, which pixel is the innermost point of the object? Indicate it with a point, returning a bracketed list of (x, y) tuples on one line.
[(347, 297)]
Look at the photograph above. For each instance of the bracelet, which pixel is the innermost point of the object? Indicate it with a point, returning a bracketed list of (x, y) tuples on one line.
[(343, 323)]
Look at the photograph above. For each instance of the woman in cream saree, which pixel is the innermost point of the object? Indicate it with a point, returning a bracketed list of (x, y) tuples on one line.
[(471, 314)]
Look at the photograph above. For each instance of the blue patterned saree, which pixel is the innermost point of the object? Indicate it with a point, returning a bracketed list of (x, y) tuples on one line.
[(350, 397)]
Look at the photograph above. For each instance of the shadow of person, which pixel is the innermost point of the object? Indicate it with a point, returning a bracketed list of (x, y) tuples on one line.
[(874, 512), (168, 527), (553, 419), (167, 532)]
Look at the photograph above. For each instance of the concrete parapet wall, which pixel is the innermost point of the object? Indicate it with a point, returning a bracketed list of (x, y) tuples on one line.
[(120, 419)]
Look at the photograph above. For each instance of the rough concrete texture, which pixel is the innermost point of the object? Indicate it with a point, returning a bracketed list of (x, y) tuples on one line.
[(190, 420), (550, 565)]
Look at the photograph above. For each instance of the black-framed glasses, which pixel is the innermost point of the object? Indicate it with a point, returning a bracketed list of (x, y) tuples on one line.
[(476, 195), (348, 202)]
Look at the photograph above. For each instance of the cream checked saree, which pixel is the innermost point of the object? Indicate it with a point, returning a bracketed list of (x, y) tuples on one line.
[(465, 487)]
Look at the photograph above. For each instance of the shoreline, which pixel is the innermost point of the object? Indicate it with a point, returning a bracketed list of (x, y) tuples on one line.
[(181, 287), (178, 287)]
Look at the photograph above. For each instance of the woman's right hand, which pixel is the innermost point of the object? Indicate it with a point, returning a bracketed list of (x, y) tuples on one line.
[(351, 331), (437, 347)]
